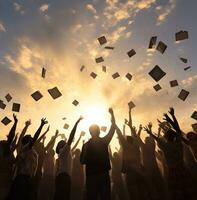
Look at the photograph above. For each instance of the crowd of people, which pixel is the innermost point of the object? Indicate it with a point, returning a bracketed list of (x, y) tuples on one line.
[(163, 166)]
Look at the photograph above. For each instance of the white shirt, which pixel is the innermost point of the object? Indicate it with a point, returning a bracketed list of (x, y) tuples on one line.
[(64, 161)]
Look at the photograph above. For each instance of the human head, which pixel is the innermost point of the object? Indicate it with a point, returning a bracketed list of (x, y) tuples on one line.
[(60, 145), (26, 139), (170, 135), (191, 135), (94, 131), (130, 139)]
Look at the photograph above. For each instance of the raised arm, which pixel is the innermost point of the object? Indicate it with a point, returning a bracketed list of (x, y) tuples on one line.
[(72, 134), (51, 143), (149, 131), (130, 124), (140, 142), (76, 144), (36, 135), (12, 132), (110, 134), (27, 124), (124, 129), (121, 138), (43, 135), (14, 143), (176, 124)]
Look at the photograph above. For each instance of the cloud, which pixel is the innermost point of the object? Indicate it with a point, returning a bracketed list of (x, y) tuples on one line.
[(117, 11), (165, 11), (115, 35), (91, 8), (44, 7), (2, 27), (189, 81), (18, 8)]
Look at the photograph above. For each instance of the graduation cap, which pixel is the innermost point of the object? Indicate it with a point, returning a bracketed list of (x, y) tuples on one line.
[(184, 60), (161, 47), (16, 107), (103, 128), (2, 105), (108, 47), (75, 102), (186, 68), (5, 121), (157, 87), (104, 69), (99, 59), (131, 53), (174, 83), (131, 105), (54, 92), (8, 97), (152, 42), (157, 73), (128, 76), (181, 35), (93, 75), (43, 72), (82, 68), (194, 115), (194, 127), (183, 95), (66, 126), (37, 95), (102, 40), (115, 75)]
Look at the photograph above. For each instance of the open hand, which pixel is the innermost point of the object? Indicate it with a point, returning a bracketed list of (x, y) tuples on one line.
[(43, 121)]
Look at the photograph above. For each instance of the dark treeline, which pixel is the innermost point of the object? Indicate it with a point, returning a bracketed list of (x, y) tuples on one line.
[(161, 167)]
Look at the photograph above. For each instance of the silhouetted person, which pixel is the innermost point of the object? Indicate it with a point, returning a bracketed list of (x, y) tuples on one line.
[(77, 177), (47, 185), (179, 179), (95, 157), (40, 150), (153, 174), (25, 167), (63, 167), (118, 189), (6, 161)]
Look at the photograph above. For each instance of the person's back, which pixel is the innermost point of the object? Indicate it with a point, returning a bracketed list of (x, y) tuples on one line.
[(97, 156)]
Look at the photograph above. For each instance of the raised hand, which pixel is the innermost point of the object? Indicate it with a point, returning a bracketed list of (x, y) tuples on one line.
[(28, 122), (166, 117), (147, 129), (150, 125), (171, 111), (15, 118), (80, 118), (43, 121), (56, 133), (82, 133), (112, 115)]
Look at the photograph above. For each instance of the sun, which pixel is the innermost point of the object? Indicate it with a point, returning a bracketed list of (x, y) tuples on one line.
[(95, 114)]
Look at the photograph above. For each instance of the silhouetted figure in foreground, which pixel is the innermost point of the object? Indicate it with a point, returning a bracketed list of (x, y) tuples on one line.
[(179, 180), (96, 158), (6, 161), (25, 167), (63, 167)]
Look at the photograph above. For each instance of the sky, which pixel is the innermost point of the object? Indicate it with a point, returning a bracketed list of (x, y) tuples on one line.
[(62, 36)]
